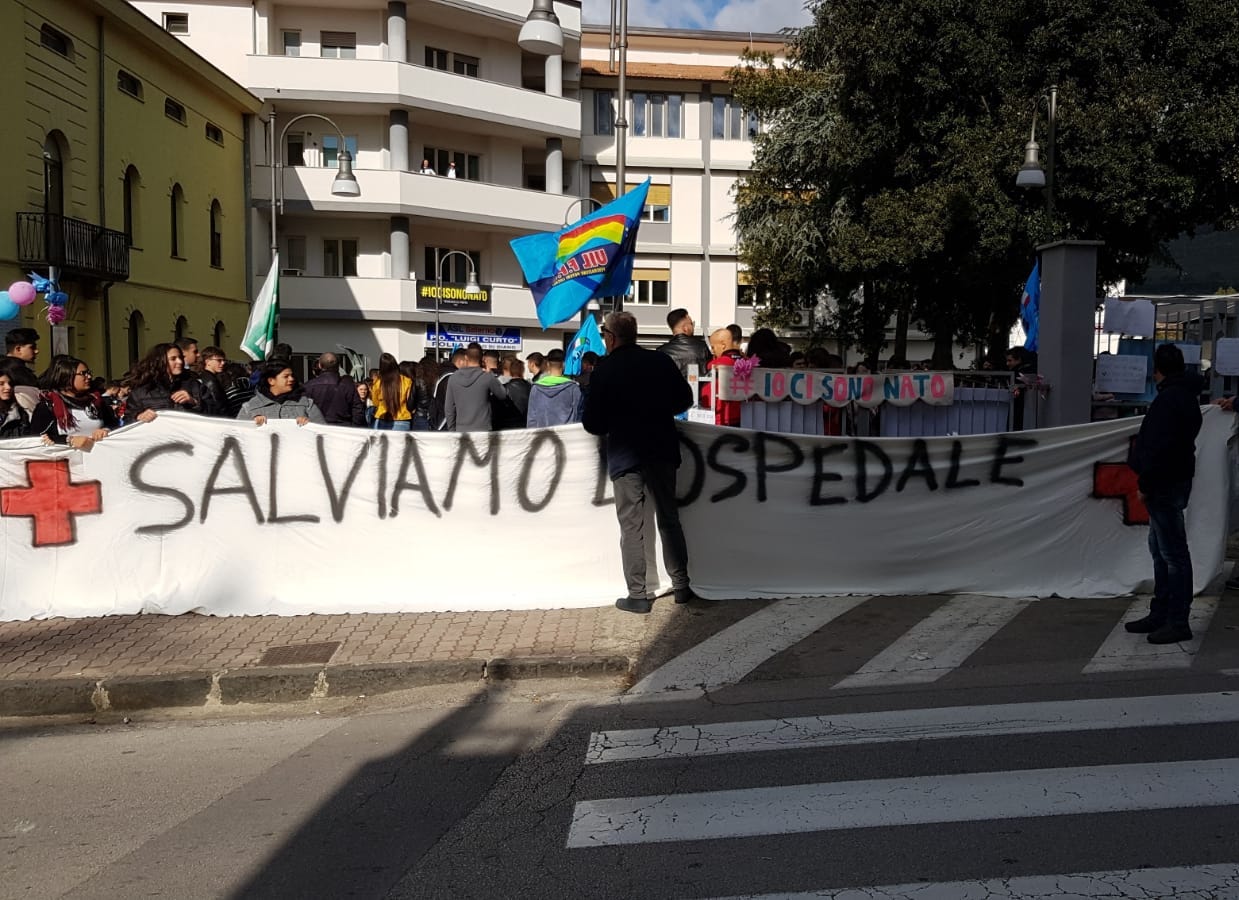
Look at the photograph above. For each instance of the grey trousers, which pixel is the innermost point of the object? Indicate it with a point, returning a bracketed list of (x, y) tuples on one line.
[(656, 482)]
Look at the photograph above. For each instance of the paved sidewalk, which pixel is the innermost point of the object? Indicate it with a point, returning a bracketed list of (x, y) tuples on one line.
[(135, 662)]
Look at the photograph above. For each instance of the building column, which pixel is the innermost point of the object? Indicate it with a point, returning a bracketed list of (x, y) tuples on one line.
[(398, 139), (397, 31), (555, 76), (554, 165), (1065, 332), (400, 247), (262, 27)]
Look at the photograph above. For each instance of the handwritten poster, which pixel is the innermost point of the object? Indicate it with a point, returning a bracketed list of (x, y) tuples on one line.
[(1121, 374), (1226, 356), (1135, 318)]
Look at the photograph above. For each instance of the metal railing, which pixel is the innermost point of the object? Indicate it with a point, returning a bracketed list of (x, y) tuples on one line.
[(75, 247)]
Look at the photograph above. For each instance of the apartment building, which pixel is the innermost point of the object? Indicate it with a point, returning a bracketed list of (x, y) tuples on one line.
[(694, 142), (128, 179), (403, 87)]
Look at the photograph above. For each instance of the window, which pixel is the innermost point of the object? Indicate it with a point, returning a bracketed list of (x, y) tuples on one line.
[(338, 44), (657, 201), (179, 329), (446, 61), (455, 269), (176, 23), (436, 58), (604, 112), (174, 110), (129, 200), (56, 41), (331, 149), (215, 133), (292, 43), (176, 229), (217, 235), (748, 294), (651, 287), (657, 115), (128, 84), (295, 258), (731, 123), (294, 149), (468, 165), (340, 257), (54, 174), (137, 329), (218, 334)]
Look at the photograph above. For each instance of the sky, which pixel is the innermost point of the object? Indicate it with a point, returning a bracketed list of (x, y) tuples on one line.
[(766, 16)]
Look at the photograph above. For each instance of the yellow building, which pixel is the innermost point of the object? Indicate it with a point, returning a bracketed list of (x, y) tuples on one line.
[(125, 169)]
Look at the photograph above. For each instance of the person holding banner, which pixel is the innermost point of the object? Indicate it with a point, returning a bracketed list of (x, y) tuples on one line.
[(634, 396), (160, 382), (69, 412), (278, 399)]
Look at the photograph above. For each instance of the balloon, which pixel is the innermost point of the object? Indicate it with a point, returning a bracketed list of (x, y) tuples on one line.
[(8, 309), (57, 298), (22, 293)]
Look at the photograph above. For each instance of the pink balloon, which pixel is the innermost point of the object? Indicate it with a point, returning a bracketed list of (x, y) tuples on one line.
[(22, 293)]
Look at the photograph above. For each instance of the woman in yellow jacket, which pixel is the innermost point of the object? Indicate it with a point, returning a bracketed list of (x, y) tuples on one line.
[(391, 414)]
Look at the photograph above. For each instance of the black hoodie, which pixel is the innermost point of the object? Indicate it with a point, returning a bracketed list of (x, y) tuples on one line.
[(1164, 452)]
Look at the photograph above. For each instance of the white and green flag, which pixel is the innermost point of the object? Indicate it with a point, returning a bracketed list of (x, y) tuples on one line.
[(264, 316)]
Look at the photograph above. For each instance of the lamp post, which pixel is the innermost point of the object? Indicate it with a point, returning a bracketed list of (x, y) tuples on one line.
[(471, 288), (1031, 175), (344, 185), (568, 218)]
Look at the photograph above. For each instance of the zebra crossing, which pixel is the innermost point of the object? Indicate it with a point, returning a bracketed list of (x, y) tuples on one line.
[(941, 643), (998, 795)]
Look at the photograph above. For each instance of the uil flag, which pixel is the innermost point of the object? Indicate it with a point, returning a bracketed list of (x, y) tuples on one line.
[(587, 338), (264, 316), (1030, 307), (590, 258)]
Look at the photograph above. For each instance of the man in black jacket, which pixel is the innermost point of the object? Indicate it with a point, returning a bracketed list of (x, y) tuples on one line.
[(1164, 459), (685, 348), (634, 396), (22, 346), (335, 395), (213, 360)]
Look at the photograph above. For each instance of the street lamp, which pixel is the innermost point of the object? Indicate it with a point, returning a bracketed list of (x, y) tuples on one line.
[(585, 311), (471, 288), (1031, 175), (541, 33), (343, 185)]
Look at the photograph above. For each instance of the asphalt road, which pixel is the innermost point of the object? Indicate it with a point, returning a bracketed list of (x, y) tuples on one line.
[(903, 747)]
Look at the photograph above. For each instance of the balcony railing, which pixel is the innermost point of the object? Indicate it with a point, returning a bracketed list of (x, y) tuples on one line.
[(75, 247)]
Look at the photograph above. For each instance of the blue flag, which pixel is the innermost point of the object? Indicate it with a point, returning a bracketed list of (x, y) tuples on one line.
[(1030, 307), (590, 258), (587, 338)]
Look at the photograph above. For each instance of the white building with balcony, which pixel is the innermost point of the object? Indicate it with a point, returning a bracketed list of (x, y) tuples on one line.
[(404, 82), (689, 137)]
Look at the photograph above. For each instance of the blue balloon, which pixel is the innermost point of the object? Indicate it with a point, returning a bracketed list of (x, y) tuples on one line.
[(8, 309)]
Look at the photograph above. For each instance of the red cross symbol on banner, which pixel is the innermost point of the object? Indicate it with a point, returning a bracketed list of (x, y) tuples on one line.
[(1111, 479), (52, 501)]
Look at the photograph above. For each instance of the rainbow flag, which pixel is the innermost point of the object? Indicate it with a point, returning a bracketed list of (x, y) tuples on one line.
[(589, 258)]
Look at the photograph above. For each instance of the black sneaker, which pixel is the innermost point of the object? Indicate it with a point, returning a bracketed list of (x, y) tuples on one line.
[(1232, 584), (634, 605), (684, 595), (1170, 634), (1147, 625)]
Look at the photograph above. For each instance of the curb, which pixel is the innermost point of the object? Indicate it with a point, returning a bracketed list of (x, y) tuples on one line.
[(280, 684)]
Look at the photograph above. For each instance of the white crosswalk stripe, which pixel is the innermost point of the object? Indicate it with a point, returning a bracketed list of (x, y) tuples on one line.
[(938, 643), (934, 723), (1124, 652), (734, 652), (1182, 883), (885, 802)]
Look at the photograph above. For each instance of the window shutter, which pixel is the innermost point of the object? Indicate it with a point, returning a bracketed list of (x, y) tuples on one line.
[(345, 40)]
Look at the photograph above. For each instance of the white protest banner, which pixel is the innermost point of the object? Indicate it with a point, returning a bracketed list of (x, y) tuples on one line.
[(1226, 356), (1122, 374), (1191, 353), (1137, 318), (192, 514), (809, 386)]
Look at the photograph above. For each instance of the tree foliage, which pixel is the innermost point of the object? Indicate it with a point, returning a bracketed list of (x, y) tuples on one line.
[(886, 172)]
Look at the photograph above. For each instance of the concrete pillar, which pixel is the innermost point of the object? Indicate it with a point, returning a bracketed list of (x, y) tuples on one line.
[(554, 166), (397, 31), (555, 76), (398, 139), (262, 28), (1065, 333), (399, 247)]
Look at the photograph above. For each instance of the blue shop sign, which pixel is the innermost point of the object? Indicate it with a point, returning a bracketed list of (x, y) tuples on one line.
[(491, 337)]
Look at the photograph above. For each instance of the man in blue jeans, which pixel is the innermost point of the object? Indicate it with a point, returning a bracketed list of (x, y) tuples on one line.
[(1164, 459)]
